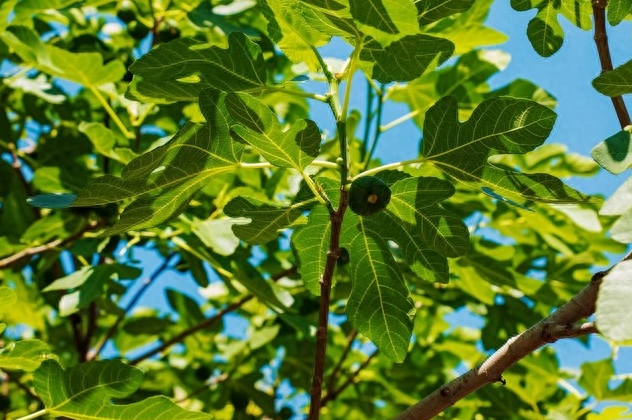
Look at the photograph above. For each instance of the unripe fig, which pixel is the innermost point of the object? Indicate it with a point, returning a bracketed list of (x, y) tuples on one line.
[(368, 195)]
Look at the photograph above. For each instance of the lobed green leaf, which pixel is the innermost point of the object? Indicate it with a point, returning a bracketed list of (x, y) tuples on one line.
[(85, 392), (615, 82)]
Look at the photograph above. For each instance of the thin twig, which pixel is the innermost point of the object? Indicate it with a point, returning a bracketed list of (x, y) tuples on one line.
[(29, 252), (560, 324), (350, 380), (139, 293), (603, 49), (334, 374), (208, 322)]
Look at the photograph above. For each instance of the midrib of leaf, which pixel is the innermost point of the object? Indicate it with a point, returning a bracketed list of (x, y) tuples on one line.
[(70, 398), (483, 138), (382, 310), (420, 214), (546, 21), (210, 64), (273, 145)]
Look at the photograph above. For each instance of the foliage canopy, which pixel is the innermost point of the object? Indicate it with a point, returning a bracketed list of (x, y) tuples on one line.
[(191, 135)]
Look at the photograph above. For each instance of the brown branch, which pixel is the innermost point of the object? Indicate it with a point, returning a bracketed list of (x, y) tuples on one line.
[(208, 322), (29, 252), (560, 324), (351, 379), (334, 374), (320, 353), (112, 330), (603, 49)]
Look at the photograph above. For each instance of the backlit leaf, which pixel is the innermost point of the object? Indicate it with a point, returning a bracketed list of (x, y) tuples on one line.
[(614, 320), (615, 153), (385, 20), (617, 10), (429, 11), (258, 126), (86, 69), (311, 243), (25, 355), (85, 392)]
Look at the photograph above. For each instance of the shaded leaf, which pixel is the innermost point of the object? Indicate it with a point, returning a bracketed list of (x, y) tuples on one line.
[(429, 11), (615, 82), (404, 59), (85, 391), (266, 219), (498, 125), (179, 70), (614, 319), (414, 201), (544, 30)]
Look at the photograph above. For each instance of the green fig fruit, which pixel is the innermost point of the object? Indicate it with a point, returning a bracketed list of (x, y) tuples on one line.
[(368, 195)]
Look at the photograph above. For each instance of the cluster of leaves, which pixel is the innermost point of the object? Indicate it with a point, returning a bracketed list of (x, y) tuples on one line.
[(204, 154)]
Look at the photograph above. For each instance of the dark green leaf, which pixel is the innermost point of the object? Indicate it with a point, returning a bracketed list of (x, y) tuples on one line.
[(266, 219), (384, 20), (379, 305), (179, 70), (311, 243), (404, 59), (618, 10), (498, 125), (429, 11)]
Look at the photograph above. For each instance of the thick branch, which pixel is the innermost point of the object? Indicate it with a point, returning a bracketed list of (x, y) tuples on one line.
[(560, 324), (603, 49)]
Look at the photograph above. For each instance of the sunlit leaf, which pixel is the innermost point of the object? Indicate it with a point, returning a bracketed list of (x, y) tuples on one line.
[(613, 319), (85, 392), (87, 69), (615, 153), (25, 355), (295, 36), (544, 30), (106, 143), (258, 126)]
